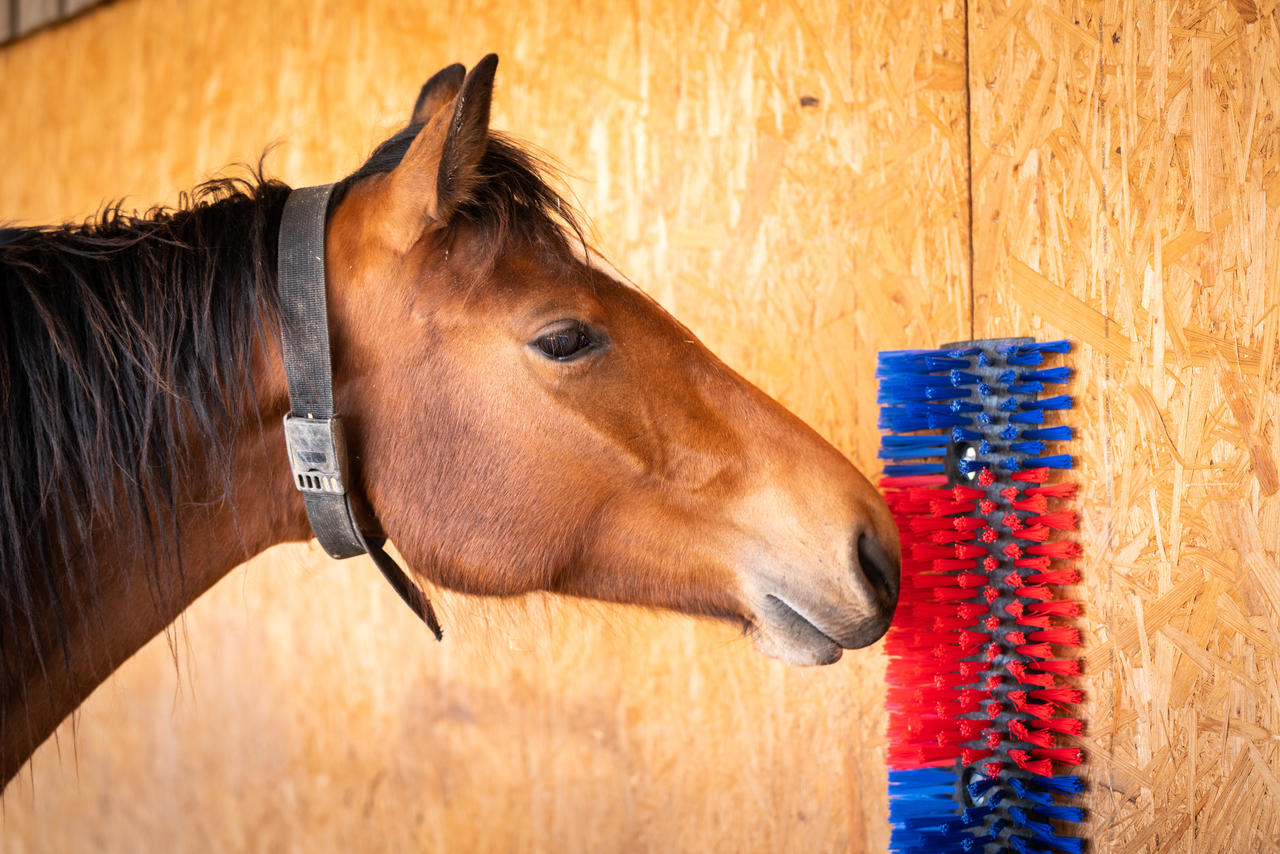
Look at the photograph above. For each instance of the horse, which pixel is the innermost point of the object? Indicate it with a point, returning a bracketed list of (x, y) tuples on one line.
[(518, 418)]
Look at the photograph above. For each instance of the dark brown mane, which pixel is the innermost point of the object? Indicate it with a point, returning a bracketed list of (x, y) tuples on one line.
[(127, 341)]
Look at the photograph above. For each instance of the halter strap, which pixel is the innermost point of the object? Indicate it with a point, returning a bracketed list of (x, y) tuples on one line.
[(312, 429)]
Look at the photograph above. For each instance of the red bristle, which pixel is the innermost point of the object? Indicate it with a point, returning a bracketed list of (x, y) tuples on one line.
[(1069, 755), (1034, 504), (990, 564), (971, 579), (991, 594), (1035, 533), (967, 493), (1054, 490), (1019, 670), (950, 624), (925, 523), (992, 739), (987, 506), (993, 710), (972, 756), (1034, 592), (1009, 493), (970, 728), (1012, 521), (1062, 521), (1041, 563), (950, 508), (1062, 696), (1061, 667), (1014, 609), (972, 610), (913, 481), (1044, 680), (1013, 551), (1062, 726), (1035, 622), (952, 594), (1056, 608), (989, 535), (1060, 635), (993, 769), (1013, 579), (952, 536), (952, 563), (963, 551), (1059, 549), (992, 652), (1023, 760), (1040, 739), (991, 623), (928, 551), (1035, 650), (1016, 638), (1060, 576), (986, 478), (969, 670), (992, 683), (1037, 475)]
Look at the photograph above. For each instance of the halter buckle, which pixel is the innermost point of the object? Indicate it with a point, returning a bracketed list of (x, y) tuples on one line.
[(317, 454)]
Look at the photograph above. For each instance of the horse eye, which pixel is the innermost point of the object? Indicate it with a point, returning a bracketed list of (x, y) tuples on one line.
[(566, 343)]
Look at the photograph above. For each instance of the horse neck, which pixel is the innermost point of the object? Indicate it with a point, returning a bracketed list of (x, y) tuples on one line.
[(216, 524)]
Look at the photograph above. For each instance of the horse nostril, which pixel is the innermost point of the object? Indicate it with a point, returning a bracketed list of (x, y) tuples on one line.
[(880, 569)]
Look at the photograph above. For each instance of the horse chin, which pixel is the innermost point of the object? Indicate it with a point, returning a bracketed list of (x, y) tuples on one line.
[(783, 633)]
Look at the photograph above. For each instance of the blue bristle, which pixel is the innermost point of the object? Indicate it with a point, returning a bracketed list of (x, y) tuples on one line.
[(984, 417), (1032, 448), (912, 447), (983, 360), (1044, 832), (942, 421), (922, 811), (961, 434), (1061, 461), (1062, 401), (971, 466), (914, 442), (1061, 433), (1008, 405), (962, 406), (1054, 812), (984, 448), (1048, 375), (1009, 432), (1031, 358), (1007, 377), (1026, 388), (1061, 346), (965, 352), (1066, 785), (914, 469), (1035, 416), (959, 378), (979, 787), (1022, 790), (1010, 464)]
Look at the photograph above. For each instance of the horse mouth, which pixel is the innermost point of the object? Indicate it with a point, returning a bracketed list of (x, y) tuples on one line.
[(784, 633)]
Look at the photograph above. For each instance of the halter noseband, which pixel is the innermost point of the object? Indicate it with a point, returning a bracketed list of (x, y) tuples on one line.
[(312, 429)]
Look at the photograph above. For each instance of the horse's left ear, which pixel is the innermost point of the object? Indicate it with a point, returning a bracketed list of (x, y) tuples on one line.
[(437, 92), (441, 168)]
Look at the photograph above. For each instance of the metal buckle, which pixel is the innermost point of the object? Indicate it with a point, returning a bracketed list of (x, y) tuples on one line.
[(317, 454)]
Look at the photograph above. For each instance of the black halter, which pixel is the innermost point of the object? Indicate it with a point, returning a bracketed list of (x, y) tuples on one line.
[(312, 429)]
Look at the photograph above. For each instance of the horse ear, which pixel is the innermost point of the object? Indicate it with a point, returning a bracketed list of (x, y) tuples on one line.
[(441, 168), (442, 88)]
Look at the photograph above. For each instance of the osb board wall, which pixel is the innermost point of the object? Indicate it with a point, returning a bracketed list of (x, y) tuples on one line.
[(1125, 194), (1126, 190), (789, 181)]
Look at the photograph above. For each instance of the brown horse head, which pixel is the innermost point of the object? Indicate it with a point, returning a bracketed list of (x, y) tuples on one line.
[(524, 420)]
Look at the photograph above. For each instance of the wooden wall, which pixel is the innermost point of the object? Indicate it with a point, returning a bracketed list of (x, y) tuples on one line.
[(796, 184)]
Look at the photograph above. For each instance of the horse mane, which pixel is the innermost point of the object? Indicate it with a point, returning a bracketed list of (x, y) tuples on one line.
[(127, 340)]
